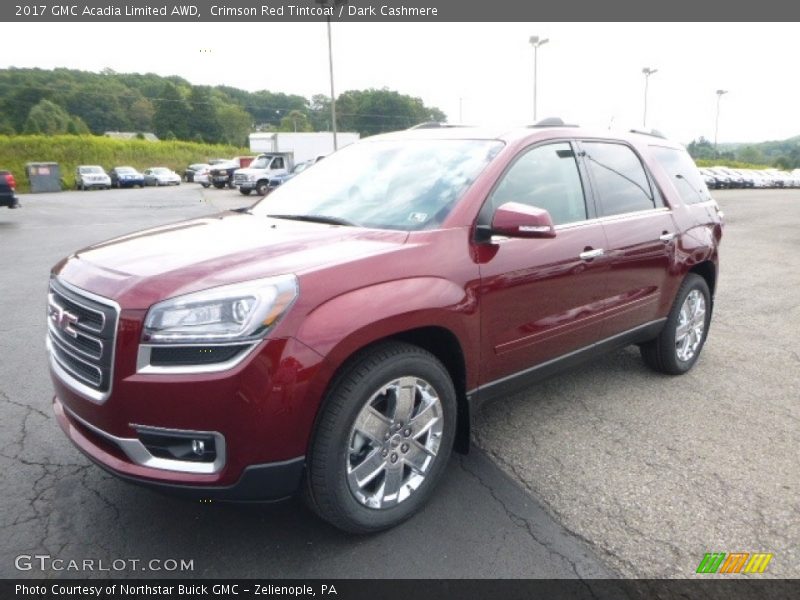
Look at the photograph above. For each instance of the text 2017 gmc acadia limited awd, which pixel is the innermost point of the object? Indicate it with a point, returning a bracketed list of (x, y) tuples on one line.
[(335, 338)]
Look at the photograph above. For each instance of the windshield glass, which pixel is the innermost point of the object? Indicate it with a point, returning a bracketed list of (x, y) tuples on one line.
[(385, 184), (125, 170), (161, 171), (261, 163), (91, 170)]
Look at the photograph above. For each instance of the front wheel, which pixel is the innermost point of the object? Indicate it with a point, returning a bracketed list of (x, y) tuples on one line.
[(678, 346), (382, 440), (262, 187), (245, 191)]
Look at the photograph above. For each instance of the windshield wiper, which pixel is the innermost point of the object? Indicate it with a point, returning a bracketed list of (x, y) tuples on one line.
[(316, 219)]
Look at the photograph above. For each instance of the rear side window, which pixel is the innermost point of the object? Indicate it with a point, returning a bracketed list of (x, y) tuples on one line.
[(683, 173), (619, 178), (545, 177)]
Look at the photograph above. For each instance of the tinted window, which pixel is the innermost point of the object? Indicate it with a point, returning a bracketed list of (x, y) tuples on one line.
[(619, 178), (681, 169), (546, 177)]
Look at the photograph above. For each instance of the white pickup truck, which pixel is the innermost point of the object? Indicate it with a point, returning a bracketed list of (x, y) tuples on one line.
[(265, 167)]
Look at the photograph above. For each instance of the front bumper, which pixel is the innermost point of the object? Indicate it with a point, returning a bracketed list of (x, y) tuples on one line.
[(259, 482)]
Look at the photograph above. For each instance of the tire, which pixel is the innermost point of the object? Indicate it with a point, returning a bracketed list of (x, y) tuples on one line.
[(366, 392), (678, 346), (219, 186), (262, 187), (205, 185), (245, 191)]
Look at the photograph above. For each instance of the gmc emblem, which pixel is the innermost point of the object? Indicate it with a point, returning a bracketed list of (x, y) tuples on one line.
[(61, 318)]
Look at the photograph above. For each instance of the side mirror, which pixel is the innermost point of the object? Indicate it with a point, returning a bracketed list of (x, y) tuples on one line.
[(513, 219)]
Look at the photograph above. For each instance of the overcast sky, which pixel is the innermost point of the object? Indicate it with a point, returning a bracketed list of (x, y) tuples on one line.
[(589, 73)]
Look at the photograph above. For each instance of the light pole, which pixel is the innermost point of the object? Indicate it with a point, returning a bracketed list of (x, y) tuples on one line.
[(716, 125), (331, 3), (536, 42), (647, 72)]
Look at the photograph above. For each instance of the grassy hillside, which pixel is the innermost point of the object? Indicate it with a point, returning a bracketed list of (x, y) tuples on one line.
[(70, 151)]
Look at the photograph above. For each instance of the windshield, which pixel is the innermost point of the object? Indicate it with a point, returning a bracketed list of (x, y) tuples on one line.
[(261, 163), (91, 170), (161, 171), (385, 184), (125, 170)]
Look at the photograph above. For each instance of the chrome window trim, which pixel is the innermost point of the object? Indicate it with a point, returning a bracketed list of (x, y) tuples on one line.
[(144, 367), (63, 375), (139, 454), (620, 217)]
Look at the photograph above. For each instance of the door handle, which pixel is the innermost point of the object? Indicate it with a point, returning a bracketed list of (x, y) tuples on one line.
[(591, 254), (666, 237)]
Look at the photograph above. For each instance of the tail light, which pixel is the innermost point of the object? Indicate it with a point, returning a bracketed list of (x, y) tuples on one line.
[(10, 181)]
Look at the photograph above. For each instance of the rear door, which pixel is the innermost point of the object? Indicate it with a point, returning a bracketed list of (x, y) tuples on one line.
[(541, 298), (640, 231)]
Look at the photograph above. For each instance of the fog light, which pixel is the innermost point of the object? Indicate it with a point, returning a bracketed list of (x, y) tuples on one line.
[(198, 447), (177, 445)]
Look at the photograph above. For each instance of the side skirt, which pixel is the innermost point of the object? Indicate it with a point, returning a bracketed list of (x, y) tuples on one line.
[(518, 381)]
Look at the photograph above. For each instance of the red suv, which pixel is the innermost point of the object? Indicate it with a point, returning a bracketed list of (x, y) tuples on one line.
[(335, 338)]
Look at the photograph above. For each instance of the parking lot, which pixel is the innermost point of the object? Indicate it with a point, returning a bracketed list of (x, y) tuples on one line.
[(609, 469)]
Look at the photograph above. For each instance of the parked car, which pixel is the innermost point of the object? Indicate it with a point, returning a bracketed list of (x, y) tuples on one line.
[(221, 174), (8, 190), (201, 176), (188, 174), (710, 179), (126, 177), (336, 337), (91, 176), (161, 176)]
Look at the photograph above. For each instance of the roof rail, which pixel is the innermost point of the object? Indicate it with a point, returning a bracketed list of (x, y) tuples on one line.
[(552, 122), (436, 125), (652, 133)]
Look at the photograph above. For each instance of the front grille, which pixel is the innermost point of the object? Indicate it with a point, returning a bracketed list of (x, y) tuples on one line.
[(239, 178), (82, 331)]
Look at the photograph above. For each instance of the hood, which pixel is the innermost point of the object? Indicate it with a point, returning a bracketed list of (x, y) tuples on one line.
[(142, 268)]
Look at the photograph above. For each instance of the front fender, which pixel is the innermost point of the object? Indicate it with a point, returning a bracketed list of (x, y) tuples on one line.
[(343, 325)]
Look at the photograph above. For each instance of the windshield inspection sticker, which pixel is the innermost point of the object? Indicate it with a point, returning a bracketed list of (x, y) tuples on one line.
[(417, 217)]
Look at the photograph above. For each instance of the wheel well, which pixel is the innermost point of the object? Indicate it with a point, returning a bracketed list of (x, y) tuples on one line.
[(444, 345), (707, 271)]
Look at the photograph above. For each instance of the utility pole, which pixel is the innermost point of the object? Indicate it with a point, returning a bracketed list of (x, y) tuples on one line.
[(716, 125), (647, 72), (535, 41)]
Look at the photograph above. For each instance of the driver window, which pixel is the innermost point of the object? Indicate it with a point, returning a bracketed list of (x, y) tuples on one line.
[(277, 163), (546, 177)]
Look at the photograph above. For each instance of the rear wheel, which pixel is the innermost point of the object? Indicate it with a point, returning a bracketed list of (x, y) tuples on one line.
[(382, 440), (678, 346), (262, 187)]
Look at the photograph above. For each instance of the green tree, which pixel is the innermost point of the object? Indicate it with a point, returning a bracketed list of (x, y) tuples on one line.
[(376, 111), (48, 118), (172, 113), (701, 148), (203, 124), (236, 124), (141, 113), (296, 120)]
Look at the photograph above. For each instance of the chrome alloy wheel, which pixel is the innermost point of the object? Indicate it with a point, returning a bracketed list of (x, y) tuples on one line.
[(691, 326), (394, 442)]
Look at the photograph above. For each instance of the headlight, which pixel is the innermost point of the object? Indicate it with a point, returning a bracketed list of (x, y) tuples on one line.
[(231, 313)]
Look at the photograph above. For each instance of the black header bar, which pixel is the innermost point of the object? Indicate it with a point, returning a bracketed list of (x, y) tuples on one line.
[(396, 11)]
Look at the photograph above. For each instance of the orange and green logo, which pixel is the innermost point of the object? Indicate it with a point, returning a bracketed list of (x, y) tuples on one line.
[(735, 562)]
